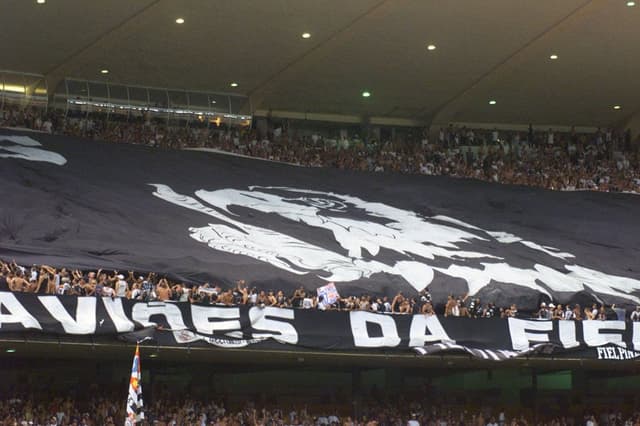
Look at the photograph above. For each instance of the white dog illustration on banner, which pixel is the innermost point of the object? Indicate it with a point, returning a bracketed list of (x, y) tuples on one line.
[(26, 148), (414, 238)]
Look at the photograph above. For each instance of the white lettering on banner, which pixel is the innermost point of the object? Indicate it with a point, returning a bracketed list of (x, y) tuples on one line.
[(17, 312), (114, 308), (594, 335), (361, 338), (142, 312), (616, 352), (262, 319), (85, 320), (202, 317), (567, 334), (519, 330), (420, 324)]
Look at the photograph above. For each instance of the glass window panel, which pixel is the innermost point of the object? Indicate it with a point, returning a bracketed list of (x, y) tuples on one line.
[(180, 112), (13, 89), (1, 91), (77, 99), (199, 101), (119, 99), (219, 103), (139, 101), (42, 92), (239, 105), (158, 105), (158, 98), (35, 90), (60, 97), (178, 99), (98, 98)]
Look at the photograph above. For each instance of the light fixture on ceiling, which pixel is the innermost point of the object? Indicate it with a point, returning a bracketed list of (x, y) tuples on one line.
[(153, 356), (213, 102), (10, 350), (617, 107), (180, 21), (553, 57), (492, 102), (234, 84), (306, 35), (366, 94), (431, 47), (41, 1), (104, 71), (631, 3)]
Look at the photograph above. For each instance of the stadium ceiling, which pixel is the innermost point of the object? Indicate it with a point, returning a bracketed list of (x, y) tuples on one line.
[(485, 50)]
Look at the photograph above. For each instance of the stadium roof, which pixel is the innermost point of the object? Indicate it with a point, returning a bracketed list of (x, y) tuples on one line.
[(484, 50)]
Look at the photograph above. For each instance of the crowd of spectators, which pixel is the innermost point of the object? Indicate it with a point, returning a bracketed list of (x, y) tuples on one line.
[(45, 279), (602, 161), (100, 409)]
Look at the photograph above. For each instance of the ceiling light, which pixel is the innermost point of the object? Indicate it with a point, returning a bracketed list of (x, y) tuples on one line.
[(234, 84), (153, 356), (492, 102), (554, 56), (617, 107), (431, 47), (306, 35), (213, 102), (104, 71), (629, 3), (10, 350), (366, 94), (180, 21), (41, 1)]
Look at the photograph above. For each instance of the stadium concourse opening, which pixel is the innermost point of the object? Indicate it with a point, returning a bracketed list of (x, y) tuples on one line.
[(320, 384)]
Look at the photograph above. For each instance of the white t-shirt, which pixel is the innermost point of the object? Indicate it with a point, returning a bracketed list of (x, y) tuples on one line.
[(307, 303), (122, 288), (455, 311), (135, 293), (184, 297), (413, 422), (63, 288)]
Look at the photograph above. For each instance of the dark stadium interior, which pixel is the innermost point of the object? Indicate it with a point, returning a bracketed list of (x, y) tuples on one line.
[(319, 213)]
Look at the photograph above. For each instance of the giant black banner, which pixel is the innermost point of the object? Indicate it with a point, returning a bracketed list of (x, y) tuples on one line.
[(198, 217), (175, 324)]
